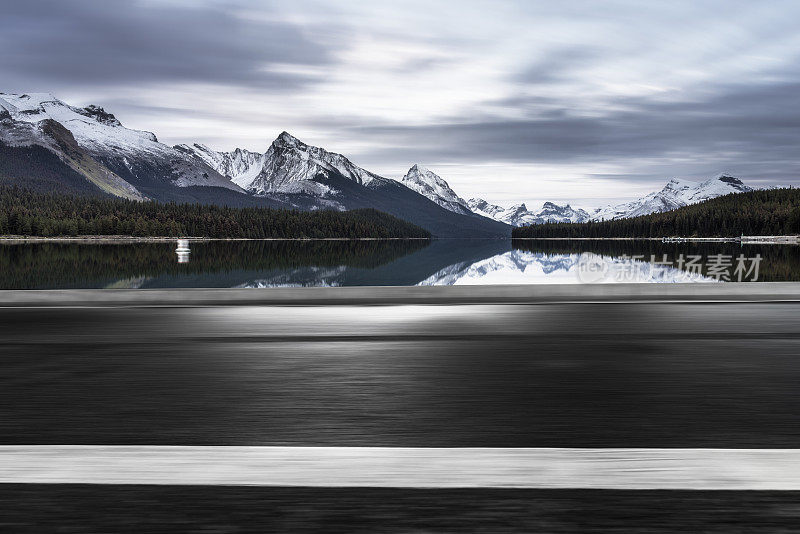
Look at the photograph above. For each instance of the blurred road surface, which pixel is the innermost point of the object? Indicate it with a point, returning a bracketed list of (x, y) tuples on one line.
[(587, 368)]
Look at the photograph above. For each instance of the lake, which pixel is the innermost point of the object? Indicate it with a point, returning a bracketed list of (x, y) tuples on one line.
[(255, 264)]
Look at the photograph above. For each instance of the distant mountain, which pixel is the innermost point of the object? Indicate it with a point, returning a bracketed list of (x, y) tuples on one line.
[(432, 186), (516, 215), (240, 166), (520, 215), (45, 155), (293, 167), (551, 212), (764, 212), (94, 144), (293, 171), (676, 194), (49, 145), (312, 177)]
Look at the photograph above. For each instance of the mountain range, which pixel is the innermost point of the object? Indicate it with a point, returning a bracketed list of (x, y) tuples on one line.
[(52, 146), (675, 194), (520, 215)]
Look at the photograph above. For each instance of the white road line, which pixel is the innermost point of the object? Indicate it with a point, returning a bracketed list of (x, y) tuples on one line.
[(691, 469)]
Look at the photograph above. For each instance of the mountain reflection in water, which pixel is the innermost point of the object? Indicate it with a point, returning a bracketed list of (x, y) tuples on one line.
[(521, 267), (259, 264)]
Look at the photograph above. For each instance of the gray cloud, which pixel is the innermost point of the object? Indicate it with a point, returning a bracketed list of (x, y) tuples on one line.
[(55, 43), (557, 65), (749, 128)]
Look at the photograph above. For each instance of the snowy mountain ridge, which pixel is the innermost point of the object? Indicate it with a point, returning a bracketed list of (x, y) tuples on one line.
[(125, 152), (312, 177), (520, 215), (677, 193), (291, 166), (290, 173), (431, 185), (241, 166)]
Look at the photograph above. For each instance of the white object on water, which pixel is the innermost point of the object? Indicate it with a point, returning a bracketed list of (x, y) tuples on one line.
[(183, 251)]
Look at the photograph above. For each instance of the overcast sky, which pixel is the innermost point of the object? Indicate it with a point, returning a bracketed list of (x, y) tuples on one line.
[(580, 101)]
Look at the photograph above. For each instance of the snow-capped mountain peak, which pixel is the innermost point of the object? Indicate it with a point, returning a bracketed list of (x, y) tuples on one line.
[(292, 166), (515, 215), (722, 184), (517, 210), (287, 140), (134, 155), (431, 185), (89, 125), (520, 215), (552, 212), (675, 194)]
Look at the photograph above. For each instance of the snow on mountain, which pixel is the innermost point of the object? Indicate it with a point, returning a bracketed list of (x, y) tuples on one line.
[(310, 177), (103, 137), (91, 126), (551, 212), (432, 186), (481, 207), (516, 215), (19, 131), (291, 166), (676, 194), (520, 215), (240, 165)]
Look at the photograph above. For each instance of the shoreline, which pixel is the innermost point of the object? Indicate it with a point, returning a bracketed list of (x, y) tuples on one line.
[(136, 239)]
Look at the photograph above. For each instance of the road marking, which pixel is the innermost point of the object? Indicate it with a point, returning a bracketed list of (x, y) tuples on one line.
[(688, 469)]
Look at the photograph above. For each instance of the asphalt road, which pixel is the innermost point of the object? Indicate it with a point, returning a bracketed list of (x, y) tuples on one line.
[(571, 374), (664, 370), (228, 509)]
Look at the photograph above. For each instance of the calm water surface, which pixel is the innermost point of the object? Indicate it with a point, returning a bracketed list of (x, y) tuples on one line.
[(395, 263)]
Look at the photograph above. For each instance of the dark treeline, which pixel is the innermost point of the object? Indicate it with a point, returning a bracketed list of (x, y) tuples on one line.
[(769, 212), (29, 213), (78, 265), (779, 263)]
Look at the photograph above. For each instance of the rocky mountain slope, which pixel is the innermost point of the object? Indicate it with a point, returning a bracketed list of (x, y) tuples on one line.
[(118, 160)]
